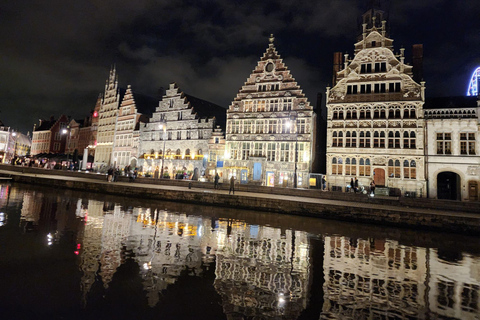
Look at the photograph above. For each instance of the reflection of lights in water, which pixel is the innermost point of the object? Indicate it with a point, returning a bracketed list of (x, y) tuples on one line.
[(281, 300), (2, 219), (49, 239)]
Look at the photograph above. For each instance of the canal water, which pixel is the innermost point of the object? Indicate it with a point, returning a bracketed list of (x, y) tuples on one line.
[(73, 255)]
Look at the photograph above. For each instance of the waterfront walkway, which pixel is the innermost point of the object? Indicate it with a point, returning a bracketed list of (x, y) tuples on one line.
[(411, 213)]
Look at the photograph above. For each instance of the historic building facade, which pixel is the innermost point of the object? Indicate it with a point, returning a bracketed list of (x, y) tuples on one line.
[(125, 146), (375, 116), (453, 139), (175, 140), (107, 117), (50, 136), (270, 127), (216, 153)]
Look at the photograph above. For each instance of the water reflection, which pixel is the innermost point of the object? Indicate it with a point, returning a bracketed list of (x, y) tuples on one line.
[(382, 279), (259, 271)]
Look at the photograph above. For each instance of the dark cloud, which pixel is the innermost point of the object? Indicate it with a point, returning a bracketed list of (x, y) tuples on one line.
[(56, 55)]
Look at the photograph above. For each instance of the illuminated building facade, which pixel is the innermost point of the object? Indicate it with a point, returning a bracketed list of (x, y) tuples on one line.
[(178, 132), (270, 127), (453, 140), (375, 116), (125, 146), (107, 117)]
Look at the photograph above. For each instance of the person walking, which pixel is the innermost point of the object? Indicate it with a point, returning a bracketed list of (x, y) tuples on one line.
[(232, 185), (109, 174), (372, 188), (356, 185), (324, 183), (215, 181), (351, 185)]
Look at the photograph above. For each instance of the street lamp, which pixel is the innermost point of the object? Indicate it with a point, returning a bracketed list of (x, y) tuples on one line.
[(64, 132), (291, 123), (163, 126), (14, 134)]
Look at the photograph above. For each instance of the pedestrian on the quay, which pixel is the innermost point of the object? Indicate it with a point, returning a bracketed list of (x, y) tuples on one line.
[(351, 185), (116, 172), (215, 181), (372, 188), (109, 174), (232, 185), (356, 185), (324, 183)]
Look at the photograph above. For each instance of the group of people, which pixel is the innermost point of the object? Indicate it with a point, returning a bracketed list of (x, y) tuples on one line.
[(355, 187), (232, 183), (113, 173)]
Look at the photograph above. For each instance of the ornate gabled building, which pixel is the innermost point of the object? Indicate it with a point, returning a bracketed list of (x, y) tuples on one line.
[(375, 115), (106, 123), (453, 137), (270, 127), (180, 129), (125, 146)]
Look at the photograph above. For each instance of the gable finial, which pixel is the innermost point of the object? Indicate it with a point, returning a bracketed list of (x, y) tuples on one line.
[(271, 38)]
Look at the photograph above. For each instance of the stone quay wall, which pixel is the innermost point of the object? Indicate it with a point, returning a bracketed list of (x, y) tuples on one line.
[(300, 204)]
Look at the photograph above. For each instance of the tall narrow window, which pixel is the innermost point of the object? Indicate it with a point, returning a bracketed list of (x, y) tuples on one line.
[(467, 143), (444, 143), (271, 151)]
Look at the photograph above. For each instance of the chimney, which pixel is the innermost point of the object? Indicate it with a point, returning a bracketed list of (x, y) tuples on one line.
[(337, 65), (417, 62)]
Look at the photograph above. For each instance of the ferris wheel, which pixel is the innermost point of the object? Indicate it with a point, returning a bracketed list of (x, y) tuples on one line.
[(474, 82)]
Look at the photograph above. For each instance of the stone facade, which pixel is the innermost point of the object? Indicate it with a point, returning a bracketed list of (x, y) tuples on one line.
[(216, 153), (375, 117), (453, 139), (270, 127), (180, 129), (106, 123), (124, 148)]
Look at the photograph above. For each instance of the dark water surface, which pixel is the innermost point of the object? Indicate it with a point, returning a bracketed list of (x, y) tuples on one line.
[(73, 255)]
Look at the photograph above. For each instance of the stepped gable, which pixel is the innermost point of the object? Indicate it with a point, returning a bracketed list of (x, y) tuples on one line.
[(270, 72), (206, 109)]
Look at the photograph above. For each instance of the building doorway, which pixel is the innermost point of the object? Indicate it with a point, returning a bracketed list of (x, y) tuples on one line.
[(472, 190), (379, 177), (448, 186)]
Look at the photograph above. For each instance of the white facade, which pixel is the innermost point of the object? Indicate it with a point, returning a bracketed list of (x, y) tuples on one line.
[(375, 118), (106, 122), (270, 127), (177, 131), (124, 149), (453, 140)]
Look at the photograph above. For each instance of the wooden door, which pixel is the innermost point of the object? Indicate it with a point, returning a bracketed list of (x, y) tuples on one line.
[(379, 177), (473, 191)]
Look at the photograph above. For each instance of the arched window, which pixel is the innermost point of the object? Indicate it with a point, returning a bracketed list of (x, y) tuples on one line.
[(348, 141), (364, 167), (337, 166), (354, 139), (335, 115), (334, 139), (340, 139), (178, 154), (187, 152), (394, 168)]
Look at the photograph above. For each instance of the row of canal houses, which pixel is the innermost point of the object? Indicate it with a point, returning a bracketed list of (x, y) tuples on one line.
[(377, 127)]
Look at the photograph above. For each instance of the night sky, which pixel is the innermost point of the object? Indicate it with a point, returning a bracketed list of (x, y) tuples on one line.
[(56, 55)]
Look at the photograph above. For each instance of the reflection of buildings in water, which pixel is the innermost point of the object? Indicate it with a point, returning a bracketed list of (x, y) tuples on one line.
[(454, 288), (165, 244), (31, 208), (379, 279), (262, 272), (116, 228), (91, 244)]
